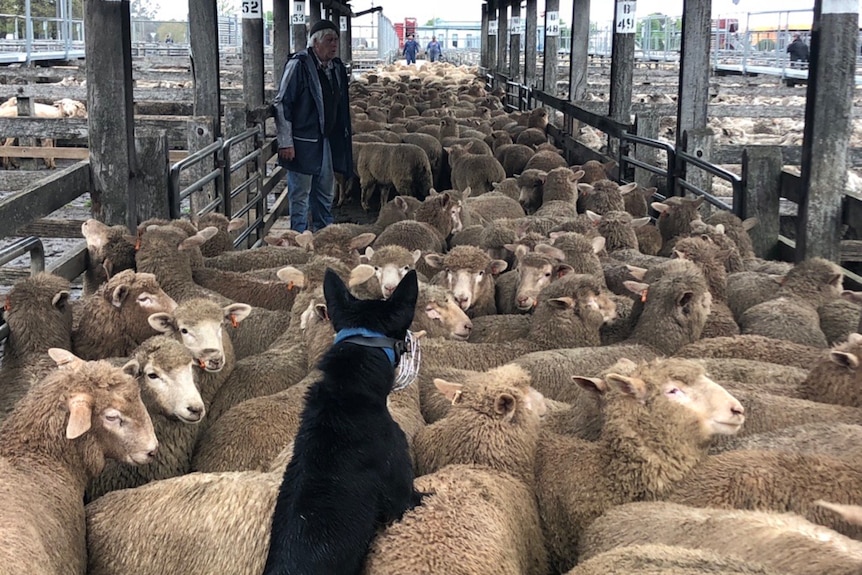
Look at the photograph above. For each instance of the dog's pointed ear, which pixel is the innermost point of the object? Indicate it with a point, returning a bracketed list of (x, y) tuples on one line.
[(407, 291), (336, 293)]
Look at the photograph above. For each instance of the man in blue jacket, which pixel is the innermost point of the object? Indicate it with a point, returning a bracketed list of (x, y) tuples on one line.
[(411, 48), (313, 121)]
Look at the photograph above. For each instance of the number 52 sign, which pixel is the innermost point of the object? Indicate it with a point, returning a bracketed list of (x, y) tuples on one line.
[(625, 23), (252, 9)]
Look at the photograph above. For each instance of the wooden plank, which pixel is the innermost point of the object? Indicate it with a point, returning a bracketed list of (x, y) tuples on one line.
[(14, 180), (252, 61), (492, 37), (761, 170), (43, 197), (530, 43), (77, 128), (149, 182), (622, 70), (828, 129), (601, 122), (791, 186), (203, 33), (52, 228), (851, 251), (26, 109), (61, 153), (503, 37), (72, 264), (578, 64), (552, 46), (693, 95), (515, 42), (483, 40)]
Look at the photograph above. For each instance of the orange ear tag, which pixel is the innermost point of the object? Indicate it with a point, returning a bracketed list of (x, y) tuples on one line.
[(233, 321), (290, 286), (138, 243), (643, 296), (7, 305), (202, 364)]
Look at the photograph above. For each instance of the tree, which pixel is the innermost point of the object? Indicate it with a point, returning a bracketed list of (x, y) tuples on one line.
[(433, 22), (144, 9), (227, 7)]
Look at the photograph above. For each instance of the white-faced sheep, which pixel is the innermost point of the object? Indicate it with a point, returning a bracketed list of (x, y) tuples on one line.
[(383, 269), (39, 317), (110, 250), (113, 321), (469, 274), (675, 217), (784, 542), (535, 270), (658, 421), (53, 443)]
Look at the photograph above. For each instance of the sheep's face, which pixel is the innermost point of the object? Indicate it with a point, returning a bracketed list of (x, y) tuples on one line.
[(454, 322), (389, 275), (464, 283), (167, 380), (533, 277), (96, 235), (717, 410)]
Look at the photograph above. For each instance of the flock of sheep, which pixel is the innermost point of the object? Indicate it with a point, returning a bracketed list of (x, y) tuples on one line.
[(598, 394)]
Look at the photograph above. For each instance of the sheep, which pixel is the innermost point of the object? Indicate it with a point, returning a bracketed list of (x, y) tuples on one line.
[(476, 171), (530, 183), (756, 347), (733, 262), (838, 319), (747, 289), (736, 229), (568, 315), (835, 377), (274, 295), (536, 270), (110, 250), (508, 187), (854, 297), (51, 445), (384, 269), (581, 252), (787, 319), (432, 148), (658, 421), (468, 274), (666, 560), (832, 439), (221, 242), (513, 157), (113, 321), (676, 215), (64, 108), (39, 317), (404, 167), (435, 220), (546, 160), (602, 196), (164, 370), (618, 229), (495, 206), (561, 185), (784, 542), (532, 137), (637, 201)]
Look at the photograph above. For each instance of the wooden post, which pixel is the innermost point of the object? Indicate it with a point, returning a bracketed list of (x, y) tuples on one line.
[(647, 127), (147, 187), (761, 172), (828, 127), (515, 42), (235, 123), (203, 30), (483, 41), (579, 54), (493, 23), (693, 95), (530, 43), (110, 119), (281, 29), (252, 56), (622, 66), (503, 37), (314, 13), (25, 109), (345, 25), (698, 142), (200, 135), (552, 45)]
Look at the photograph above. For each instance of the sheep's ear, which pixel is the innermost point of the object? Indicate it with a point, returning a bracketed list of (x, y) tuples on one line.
[(434, 260), (64, 358), (844, 359), (854, 339), (854, 296), (595, 385), (432, 311), (360, 274), (60, 299), (361, 241), (564, 302), (660, 207), (599, 243), (119, 295), (433, 193), (640, 222), (416, 255), (636, 272), (511, 247), (749, 223), (451, 391), (849, 513), (236, 312), (80, 415), (609, 165), (161, 322), (198, 239), (550, 251), (628, 188), (684, 298), (504, 405), (563, 270), (837, 280), (291, 275), (594, 217), (631, 386), (274, 241), (305, 240), (637, 288), (520, 249), (401, 203), (576, 175), (585, 189), (496, 267), (321, 312), (465, 193), (680, 255), (369, 253), (132, 367), (235, 224)]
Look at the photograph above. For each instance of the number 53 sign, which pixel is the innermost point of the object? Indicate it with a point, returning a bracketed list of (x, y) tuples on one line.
[(252, 9), (625, 23)]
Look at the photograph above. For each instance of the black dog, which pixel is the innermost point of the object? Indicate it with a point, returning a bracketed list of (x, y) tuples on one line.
[(350, 473)]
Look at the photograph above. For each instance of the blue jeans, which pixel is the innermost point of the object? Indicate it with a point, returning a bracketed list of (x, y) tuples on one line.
[(319, 190)]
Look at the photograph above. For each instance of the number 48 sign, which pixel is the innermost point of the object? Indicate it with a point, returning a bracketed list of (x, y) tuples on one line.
[(625, 23), (252, 9)]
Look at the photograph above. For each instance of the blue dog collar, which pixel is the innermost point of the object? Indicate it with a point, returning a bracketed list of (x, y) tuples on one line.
[(366, 337)]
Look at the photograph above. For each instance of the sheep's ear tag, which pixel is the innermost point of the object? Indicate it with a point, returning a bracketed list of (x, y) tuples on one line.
[(138, 241), (233, 322), (202, 364), (290, 286), (644, 295), (456, 397), (7, 303)]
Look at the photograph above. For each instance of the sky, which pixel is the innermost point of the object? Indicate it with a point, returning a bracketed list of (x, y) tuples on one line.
[(600, 10)]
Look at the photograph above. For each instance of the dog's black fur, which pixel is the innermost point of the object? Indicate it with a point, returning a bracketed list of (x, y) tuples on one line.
[(351, 472)]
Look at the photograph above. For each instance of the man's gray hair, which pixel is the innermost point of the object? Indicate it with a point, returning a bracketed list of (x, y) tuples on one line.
[(320, 35)]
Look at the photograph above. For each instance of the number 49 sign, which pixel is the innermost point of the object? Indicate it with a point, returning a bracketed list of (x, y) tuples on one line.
[(625, 23), (252, 9)]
